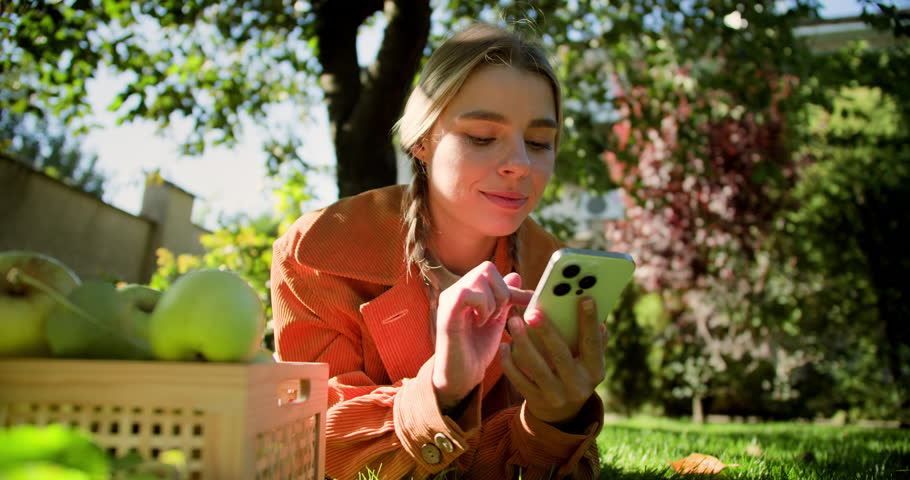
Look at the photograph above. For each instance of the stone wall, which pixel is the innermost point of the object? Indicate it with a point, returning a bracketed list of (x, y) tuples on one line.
[(96, 240)]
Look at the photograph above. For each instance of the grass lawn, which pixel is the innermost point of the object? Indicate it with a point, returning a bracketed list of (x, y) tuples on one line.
[(641, 449)]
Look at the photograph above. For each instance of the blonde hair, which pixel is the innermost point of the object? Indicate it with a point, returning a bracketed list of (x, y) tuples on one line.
[(442, 77)]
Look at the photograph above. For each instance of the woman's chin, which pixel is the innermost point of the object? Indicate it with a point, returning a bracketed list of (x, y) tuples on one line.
[(502, 229)]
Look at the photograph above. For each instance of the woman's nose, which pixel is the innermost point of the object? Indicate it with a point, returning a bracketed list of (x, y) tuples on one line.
[(516, 160)]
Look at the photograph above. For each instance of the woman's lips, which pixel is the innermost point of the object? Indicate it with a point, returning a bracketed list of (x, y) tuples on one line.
[(507, 200)]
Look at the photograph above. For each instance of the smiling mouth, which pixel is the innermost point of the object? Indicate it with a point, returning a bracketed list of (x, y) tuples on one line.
[(506, 200)]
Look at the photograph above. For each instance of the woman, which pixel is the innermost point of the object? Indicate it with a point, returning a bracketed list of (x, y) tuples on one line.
[(408, 294)]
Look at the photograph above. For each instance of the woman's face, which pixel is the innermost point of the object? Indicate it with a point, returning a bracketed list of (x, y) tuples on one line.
[(491, 152)]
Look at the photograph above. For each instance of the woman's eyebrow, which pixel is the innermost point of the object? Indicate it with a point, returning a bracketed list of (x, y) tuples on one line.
[(500, 118)]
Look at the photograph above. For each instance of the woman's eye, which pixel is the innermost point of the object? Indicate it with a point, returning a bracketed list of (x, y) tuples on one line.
[(480, 140), (539, 145)]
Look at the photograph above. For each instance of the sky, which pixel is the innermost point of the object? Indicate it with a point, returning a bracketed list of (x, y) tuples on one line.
[(225, 181)]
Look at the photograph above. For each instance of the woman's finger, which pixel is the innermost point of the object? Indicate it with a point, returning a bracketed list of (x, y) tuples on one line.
[(467, 301), (513, 279), (590, 338), (521, 382), (528, 359), (555, 348), (488, 306), (520, 297), (517, 295), (499, 290)]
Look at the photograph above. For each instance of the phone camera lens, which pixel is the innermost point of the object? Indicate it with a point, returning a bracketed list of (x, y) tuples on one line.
[(570, 271), (561, 289), (587, 282)]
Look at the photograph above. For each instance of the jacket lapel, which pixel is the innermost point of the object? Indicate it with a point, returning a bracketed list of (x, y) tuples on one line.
[(398, 321)]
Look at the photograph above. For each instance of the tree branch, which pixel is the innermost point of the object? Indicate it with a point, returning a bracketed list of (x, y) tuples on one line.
[(363, 148), (392, 73), (336, 30)]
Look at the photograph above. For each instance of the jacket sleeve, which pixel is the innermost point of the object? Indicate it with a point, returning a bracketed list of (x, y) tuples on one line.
[(397, 429)]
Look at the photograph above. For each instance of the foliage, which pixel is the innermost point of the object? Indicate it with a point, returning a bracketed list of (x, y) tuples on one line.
[(629, 382), (207, 61), (56, 154), (848, 239)]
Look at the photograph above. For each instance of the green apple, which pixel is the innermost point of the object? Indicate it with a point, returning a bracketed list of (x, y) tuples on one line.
[(95, 321), (29, 282), (143, 300), (210, 315)]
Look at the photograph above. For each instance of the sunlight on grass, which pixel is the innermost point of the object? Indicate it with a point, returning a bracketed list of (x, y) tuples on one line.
[(641, 448)]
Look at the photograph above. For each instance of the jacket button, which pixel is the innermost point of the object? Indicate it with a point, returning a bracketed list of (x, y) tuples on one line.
[(443, 442), (430, 453)]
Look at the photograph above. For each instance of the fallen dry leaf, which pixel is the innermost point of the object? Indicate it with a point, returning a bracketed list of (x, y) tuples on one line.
[(699, 463)]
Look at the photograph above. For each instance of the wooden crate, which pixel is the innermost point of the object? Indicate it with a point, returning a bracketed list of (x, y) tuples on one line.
[(231, 421)]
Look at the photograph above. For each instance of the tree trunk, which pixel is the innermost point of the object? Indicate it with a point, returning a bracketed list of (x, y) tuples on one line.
[(698, 412), (363, 106)]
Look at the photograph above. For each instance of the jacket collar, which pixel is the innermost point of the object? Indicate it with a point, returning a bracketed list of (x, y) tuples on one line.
[(371, 222)]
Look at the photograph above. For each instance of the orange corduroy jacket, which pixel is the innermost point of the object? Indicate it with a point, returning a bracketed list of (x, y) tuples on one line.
[(340, 295)]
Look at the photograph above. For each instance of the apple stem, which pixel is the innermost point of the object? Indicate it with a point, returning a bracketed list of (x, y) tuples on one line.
[(17, 277)]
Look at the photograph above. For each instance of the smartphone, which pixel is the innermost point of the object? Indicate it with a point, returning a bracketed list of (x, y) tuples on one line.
[(573, 273)]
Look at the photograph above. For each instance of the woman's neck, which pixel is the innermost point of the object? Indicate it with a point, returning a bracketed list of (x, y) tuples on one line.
[(461, 253)]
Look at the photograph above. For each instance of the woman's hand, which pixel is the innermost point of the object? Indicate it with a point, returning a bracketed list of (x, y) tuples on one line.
[(470, 319), (554, 383)]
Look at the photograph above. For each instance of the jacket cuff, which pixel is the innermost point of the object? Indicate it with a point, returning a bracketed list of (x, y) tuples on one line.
[(544, 444), (431, 438)]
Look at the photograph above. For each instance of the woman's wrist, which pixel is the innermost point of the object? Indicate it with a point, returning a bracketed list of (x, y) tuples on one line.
[(444, 396), (446, 401)]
